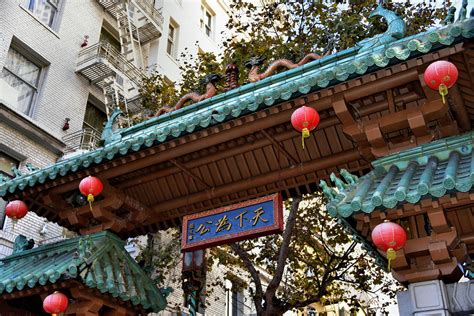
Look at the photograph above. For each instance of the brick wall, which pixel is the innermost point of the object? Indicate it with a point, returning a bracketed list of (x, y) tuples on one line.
[(62, 92)]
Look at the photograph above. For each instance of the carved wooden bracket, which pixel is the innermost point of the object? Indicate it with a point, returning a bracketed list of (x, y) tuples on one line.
[(104, 211)]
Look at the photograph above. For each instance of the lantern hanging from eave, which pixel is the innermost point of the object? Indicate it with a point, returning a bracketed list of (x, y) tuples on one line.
[(389, 237), (441, 75), (91, 187), (304, 119), (55, 303), (16, 210)]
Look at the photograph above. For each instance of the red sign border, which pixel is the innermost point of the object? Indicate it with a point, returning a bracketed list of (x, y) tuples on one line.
[(277, 226)]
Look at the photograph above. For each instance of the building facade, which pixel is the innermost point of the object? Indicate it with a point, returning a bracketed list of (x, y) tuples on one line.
[(64, 64)]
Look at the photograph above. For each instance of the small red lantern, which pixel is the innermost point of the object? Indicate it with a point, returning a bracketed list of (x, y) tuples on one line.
[(441, 75), (91, 187), (16, 209), (55, 303), (304, 120), (389, 237)]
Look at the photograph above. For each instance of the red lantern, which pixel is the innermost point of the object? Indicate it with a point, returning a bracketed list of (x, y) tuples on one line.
[(441, 75), (55, 303), (304, 120), (389, 237), (91, 187), (16, 209)]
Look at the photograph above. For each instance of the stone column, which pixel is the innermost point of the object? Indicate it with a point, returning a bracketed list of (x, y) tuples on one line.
[(427, 298)]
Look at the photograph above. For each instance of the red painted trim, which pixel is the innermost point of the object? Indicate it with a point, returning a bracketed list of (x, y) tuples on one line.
[(277, 226)]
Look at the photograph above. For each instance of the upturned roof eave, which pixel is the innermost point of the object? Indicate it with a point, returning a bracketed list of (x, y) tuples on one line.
[(250, 98)]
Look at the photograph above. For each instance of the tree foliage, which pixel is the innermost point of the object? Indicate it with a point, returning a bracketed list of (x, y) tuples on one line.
[(315, 260), (286, 29)]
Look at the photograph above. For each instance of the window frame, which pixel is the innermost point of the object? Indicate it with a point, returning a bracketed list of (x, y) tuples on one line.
[(29, 56), (53, 24), (172, 39), (207, 21), (10, 157)]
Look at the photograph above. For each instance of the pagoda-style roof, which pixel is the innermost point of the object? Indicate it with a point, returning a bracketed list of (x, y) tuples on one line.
[(98, 261), (429, 171), (240, 144), (319, 74)]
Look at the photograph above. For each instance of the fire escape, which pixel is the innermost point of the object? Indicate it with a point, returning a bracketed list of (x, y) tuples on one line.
[(118, 71)]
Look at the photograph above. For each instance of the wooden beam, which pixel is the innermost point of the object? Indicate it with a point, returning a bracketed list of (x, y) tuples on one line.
[(390, 101), (271, 177), (278, 146), (462, 116), (181, 167)]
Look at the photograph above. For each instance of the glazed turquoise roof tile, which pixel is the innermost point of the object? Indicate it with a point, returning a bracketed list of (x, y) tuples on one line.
[(100, 261), (252, 97), (431, 170)]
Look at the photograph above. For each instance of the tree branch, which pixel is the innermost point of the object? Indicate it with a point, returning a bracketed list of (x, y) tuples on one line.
[(255, 276), (284, 249)]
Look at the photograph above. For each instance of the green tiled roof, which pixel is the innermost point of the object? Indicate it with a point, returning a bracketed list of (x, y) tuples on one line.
[(99, 260), (430, 170), (252, 97)]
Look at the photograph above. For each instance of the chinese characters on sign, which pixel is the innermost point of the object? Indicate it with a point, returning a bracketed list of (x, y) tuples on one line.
[(262, 216)]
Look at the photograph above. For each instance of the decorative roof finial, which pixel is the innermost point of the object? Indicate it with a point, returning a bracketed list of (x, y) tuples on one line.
[(449, 19), (108, 134), (395, 30), (463, 12), (232, 77)]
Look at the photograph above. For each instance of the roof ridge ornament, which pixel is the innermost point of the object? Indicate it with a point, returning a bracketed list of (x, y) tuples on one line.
[(209, 81), (395, 30), (255, 62), (462, 12), (108, 134)]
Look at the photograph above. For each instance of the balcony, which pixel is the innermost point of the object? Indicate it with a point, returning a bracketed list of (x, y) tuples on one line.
[(101, 63), (142, 15), (83, 140)]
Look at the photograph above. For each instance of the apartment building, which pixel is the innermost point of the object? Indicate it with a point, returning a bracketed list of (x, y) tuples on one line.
[(64, 64)]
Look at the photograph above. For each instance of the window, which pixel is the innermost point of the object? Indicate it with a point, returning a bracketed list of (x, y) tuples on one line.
[(206, 21), (44, 10), (6, 164), (171, 46), (94, 118), (92, 127), (22, 75), (237, 303), (106, 36)]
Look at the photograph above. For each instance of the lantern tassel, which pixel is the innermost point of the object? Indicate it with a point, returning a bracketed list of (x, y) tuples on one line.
[(443, 91), (391, 254), (90, 199), (304, 134), (14, 220)]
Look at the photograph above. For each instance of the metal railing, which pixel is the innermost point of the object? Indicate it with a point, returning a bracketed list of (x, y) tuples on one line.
[(84, 139), (117, 10), (104, 50), (149, 9)]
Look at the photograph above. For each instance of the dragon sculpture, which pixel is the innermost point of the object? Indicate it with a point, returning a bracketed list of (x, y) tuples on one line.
[(255, 62), (395, 30), (211, 90), (108, 134)]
